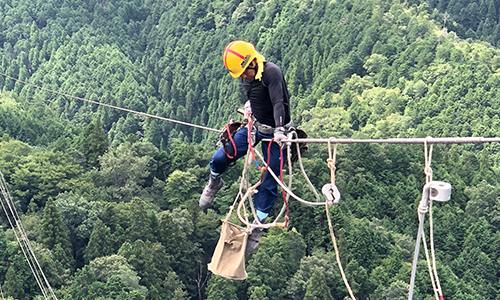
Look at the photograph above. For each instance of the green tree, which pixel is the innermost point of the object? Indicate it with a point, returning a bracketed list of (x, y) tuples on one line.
[(149, 259), (259, 293), (179, 189), (12, 286), (79, 215), (4, 254), (54, 235), (475, 266), (275, 261), (108, 267), (319, 260), (173, 288), (116, 288), (123, 173), (316, 287), (179, 228), (143, 222), (221, 288), (44, 174), (85, 285), (398, 290), (100, 242), (11, 154), (484, 202), (94, 143)]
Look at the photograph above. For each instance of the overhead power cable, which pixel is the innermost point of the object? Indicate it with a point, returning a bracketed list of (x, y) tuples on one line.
[(430, 140), (110, 106), (17, 227)]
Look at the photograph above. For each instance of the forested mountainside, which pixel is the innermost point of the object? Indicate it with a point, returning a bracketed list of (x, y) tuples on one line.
[(471, 19), (109, 199)]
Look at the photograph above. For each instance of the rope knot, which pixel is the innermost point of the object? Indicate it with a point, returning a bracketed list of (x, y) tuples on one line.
[(331, 163), (428, 171)]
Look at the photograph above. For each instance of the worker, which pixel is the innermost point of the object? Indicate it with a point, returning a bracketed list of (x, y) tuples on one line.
[(269, 102)]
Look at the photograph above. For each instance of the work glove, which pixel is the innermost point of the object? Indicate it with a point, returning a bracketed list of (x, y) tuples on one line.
[(248, 109), (279, 136), (247, 114)]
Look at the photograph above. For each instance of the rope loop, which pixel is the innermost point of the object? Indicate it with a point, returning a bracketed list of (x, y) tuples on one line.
[(423, 210), (428, 159), (332, 154)]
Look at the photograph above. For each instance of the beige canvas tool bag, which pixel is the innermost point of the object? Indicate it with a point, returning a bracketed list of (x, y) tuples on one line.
[(228, 259)]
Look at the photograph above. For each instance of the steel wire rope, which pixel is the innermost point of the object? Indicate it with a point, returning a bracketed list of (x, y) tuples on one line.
[(18, 232), (22, 246), (31, 258), (445, 140), (110, 106), (1, 292), (430, 140)]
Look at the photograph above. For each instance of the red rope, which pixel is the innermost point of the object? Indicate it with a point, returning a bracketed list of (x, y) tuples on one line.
[(287, 216), (251, 146), (232, 143)]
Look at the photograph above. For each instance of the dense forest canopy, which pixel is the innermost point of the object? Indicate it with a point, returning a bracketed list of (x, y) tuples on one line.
[(109, 198)]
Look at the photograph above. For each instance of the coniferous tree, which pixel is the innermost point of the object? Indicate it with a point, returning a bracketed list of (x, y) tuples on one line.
[(173, 288), (149, 259), (100, 242), (54, 235), (12, 287), (85, 285), (259, 293), (142, 222), (221, 288), (4, 255), (316, 287), (94, 143)]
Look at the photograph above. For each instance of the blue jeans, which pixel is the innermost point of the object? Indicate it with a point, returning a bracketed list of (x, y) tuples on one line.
[(268, 191)]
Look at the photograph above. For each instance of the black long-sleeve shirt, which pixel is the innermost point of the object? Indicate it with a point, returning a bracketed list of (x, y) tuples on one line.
[(269, 97)]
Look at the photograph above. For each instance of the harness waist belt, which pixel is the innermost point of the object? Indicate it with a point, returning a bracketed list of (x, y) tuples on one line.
[(268, 130), (263, 128)]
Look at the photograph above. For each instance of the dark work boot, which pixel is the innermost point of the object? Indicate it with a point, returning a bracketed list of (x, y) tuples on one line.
[(209, 192), (253, 239)]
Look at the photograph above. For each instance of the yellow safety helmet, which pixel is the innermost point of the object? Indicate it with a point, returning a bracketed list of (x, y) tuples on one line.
[(237, 56)]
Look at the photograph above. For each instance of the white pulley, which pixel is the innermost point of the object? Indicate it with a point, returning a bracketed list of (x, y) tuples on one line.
[(331, 193)]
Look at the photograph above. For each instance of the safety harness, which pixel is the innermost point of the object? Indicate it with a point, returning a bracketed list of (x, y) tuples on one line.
[(227, 134)]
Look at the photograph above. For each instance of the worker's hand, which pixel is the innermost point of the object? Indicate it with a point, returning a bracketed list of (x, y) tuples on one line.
[(279, 136), (248, 109)]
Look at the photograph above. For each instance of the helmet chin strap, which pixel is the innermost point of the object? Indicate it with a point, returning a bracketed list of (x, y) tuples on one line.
[(255, 66)]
